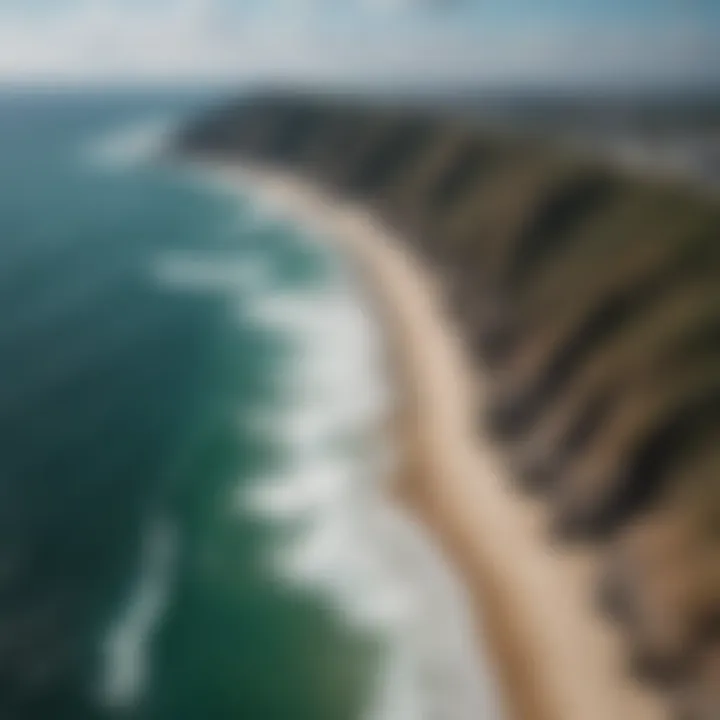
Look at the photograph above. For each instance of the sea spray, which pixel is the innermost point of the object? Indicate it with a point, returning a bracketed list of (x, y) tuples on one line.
[(132, 144), (340, 537), (126, 648), (357, 548)]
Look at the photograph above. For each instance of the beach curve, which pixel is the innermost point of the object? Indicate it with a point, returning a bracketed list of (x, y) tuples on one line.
[(555, 658)]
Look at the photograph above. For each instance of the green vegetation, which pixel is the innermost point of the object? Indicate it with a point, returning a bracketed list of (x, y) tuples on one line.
[(590, 299)]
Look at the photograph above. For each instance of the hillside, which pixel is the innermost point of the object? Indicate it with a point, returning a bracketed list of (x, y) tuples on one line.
[(590, 300)]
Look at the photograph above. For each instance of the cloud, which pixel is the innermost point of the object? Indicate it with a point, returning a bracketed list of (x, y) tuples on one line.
[(395, 5), (112, 38), (178, 40), (408, 6), (170, 39)]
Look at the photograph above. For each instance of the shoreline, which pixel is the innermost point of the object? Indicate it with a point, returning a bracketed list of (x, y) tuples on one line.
[(556, 659)]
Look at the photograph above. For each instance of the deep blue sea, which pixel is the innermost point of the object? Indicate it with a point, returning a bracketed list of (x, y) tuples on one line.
[(192, 517)]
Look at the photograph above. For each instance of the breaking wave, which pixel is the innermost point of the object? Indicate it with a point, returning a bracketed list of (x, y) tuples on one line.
[(357, 548), (125, 673), (350, 545), (138, 142)]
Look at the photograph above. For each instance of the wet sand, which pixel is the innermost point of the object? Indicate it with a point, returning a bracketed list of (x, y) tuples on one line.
[(556, 658)]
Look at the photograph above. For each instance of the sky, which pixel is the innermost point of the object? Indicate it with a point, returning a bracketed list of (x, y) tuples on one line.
[(423, 41)]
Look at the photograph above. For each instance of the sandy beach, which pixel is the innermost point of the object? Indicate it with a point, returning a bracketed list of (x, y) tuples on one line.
[(555, 657)]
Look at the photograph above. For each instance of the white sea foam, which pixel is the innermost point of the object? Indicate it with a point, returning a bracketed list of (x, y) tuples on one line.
[(202, 273), (333, 348), (125, 673), (295, 428), (135, 143), (322, 483), (343, 539), (351, 544)]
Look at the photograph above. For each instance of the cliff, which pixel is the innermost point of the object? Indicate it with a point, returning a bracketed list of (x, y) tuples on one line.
[(590, 301)]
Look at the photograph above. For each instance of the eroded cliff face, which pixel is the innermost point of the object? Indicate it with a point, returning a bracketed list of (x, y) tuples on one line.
[(591, 302)]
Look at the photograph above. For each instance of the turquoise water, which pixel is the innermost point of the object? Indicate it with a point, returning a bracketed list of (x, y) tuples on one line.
[(192, 520), (120, 401)]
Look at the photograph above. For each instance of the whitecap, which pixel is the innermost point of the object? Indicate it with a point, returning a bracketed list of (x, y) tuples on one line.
[(350, 544), (127, 643), (309, 490), (340, 537), (205, 272), (135, 143)]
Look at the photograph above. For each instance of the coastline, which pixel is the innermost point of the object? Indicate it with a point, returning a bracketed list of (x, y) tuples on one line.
[(555, 658)]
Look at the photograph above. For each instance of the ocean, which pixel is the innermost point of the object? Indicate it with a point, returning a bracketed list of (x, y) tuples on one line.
[(192, 458)]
